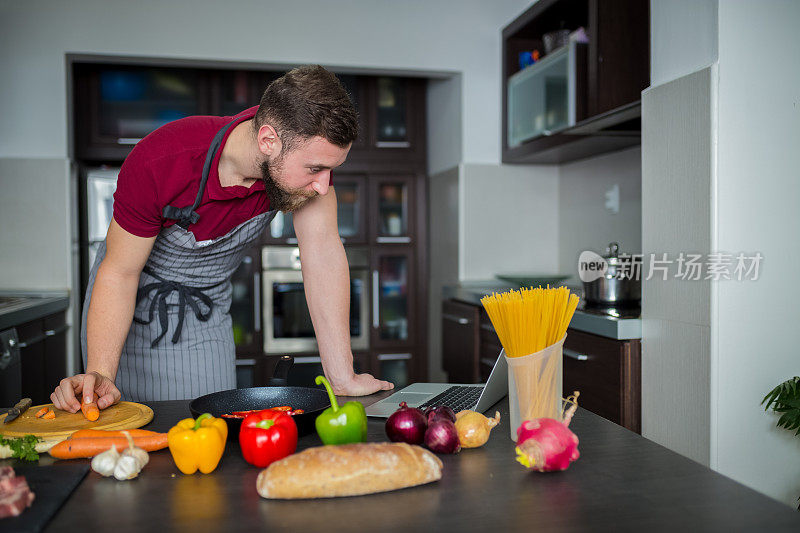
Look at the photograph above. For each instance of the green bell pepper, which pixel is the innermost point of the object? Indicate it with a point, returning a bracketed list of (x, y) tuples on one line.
[(341, 425)]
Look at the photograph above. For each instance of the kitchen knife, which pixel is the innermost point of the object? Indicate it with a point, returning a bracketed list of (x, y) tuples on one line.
[(17, 410)]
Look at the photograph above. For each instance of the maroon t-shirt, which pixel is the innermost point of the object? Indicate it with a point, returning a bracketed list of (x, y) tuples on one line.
[(165, 168)]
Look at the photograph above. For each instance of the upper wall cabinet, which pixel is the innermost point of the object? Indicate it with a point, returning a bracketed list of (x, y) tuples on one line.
[(573, 72)]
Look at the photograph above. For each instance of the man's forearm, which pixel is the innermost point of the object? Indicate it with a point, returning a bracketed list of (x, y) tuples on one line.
[(326, 278), (109, 320)]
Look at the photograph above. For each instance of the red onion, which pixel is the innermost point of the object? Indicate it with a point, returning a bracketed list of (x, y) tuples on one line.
[(441, 411), (442, 437), (407, 424)]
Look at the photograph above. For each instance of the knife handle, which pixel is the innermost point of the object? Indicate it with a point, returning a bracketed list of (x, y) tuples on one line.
[(23, 404)]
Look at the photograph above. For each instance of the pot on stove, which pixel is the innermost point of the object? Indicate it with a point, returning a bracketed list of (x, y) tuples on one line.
[(618, 286)]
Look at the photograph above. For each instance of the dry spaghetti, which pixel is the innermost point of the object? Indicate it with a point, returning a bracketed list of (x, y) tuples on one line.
[(530, 320)]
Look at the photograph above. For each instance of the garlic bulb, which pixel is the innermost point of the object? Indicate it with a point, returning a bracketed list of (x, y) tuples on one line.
[(105, 462), (127, 467)]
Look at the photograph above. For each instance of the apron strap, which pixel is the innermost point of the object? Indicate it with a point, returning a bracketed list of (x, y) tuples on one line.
[(187, 216)]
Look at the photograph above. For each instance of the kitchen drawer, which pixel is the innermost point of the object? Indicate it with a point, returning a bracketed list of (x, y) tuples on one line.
[(460, 342), (43, 357), (608, 375)]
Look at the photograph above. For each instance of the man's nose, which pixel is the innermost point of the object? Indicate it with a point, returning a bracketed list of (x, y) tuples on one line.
[(321, 184)]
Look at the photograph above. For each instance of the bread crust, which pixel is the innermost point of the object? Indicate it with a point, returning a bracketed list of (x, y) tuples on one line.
[(348, 470)]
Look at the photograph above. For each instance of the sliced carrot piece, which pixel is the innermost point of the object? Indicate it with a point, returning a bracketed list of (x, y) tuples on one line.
[(49, 415), (41, 412), (90, 410)]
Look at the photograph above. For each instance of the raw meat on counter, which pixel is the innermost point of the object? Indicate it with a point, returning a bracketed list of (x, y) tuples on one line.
[(15, 495)]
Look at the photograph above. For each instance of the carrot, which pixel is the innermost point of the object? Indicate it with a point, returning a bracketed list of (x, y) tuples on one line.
[(91, 446), (105, 433), (49, 415), (90, 410), (41, 412)]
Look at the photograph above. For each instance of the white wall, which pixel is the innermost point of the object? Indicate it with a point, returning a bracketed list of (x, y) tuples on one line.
[(677, 175), (758, 209), (683, 38), (443, 196), (414, 35), (35, 216), (583, 220), (742, 335), (508, 220)]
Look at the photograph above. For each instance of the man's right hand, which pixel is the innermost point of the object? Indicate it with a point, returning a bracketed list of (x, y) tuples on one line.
[(72, 390)]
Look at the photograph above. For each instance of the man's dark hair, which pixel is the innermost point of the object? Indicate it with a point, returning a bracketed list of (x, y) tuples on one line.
[(305, 102)]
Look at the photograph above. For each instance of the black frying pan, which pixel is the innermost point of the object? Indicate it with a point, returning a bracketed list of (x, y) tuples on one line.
[(313, 401)]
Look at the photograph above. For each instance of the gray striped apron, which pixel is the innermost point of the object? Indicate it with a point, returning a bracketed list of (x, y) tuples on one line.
[(180, 344)]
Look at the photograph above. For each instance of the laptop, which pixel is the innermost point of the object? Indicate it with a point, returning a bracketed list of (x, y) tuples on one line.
[(475, 397)]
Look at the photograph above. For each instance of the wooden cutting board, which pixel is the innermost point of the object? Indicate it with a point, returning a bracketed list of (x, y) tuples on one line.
[(124, 415)]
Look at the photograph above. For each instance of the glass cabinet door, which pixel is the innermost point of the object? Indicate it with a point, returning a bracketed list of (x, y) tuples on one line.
[(392, 220), (395, 368), (391, 114), (392, 297), (233, 92), (355, 87), (134, 101), (351, 208), (351, 213), (246, 305)]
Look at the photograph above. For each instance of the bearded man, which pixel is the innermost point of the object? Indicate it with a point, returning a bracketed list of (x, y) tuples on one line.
[(191, 197)]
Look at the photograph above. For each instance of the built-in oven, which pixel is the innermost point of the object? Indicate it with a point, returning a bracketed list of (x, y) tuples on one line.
[(287, 321)]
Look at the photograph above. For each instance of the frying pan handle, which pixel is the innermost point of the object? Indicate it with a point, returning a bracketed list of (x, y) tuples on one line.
[(281, 372)]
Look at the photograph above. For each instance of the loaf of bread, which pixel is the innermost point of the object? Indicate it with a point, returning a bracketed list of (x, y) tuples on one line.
[(348, 470)]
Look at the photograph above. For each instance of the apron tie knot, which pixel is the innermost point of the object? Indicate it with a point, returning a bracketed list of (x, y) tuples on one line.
[(191, 296)]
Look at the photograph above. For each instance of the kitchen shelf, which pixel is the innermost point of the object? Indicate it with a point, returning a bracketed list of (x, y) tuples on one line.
[(610, 81)]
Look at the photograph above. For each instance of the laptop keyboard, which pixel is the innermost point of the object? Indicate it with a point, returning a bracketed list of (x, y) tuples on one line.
[(456, 397)]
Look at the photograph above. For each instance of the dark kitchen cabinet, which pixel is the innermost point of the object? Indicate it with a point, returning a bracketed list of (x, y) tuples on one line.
[(605, 78), (118, 104), (245, 308), (607, 372), (42, 347), (460, 342)]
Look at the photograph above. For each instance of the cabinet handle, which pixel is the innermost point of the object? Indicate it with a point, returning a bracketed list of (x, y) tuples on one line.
[(375, 299), (572, 354), (393, 240), (257, 301), (392, 144), (43, 336), (455, 318), (128, 140), (394, 356), (307, 360)]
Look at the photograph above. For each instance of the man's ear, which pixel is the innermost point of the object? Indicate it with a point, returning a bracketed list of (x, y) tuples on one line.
[(268, 141)]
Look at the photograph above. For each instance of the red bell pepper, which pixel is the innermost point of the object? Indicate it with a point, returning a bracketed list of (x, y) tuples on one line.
[(266, 436)]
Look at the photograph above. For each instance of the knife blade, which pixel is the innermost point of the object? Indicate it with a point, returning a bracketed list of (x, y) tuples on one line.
[(17, 410)]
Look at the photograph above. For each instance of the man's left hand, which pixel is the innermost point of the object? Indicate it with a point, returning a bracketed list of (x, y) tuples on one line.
[(361, 385)]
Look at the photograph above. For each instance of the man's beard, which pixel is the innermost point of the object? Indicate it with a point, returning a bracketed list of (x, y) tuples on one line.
[(281, 198)]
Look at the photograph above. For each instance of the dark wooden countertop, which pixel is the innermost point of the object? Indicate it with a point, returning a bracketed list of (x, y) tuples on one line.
[(622, 482)]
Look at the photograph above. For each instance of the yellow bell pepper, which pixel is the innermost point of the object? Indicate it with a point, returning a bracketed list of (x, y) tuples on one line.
[(198, 444)]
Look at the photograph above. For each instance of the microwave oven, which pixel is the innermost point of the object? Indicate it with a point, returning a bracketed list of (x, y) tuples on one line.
[(546, 97)]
